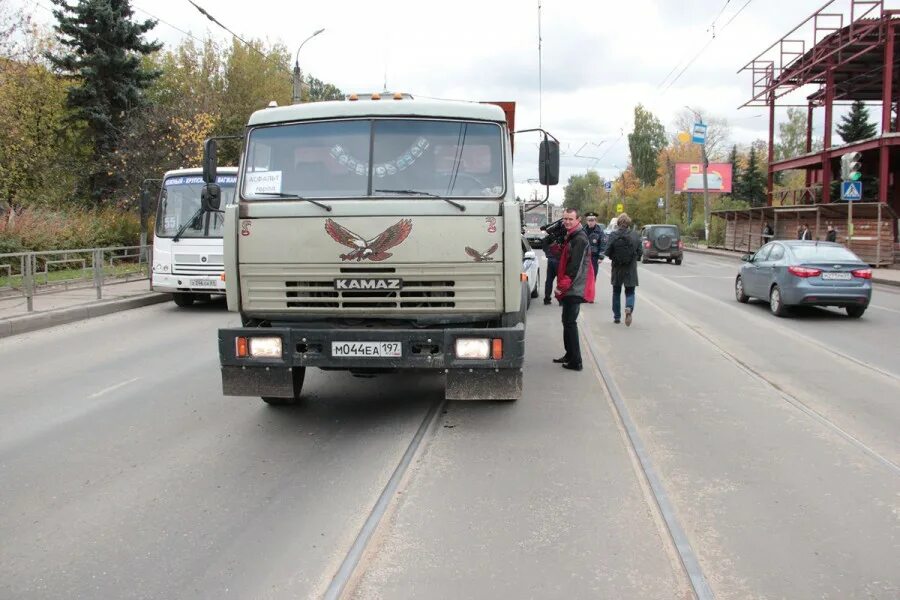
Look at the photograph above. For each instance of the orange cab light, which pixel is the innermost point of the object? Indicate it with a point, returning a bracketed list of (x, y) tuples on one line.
[(398, 96), (353, 97), (376, 96), (497, 348), (241, 347), (222, 276), (523, 276)]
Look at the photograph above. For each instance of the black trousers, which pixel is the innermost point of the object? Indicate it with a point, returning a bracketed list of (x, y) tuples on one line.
[(570, 309)]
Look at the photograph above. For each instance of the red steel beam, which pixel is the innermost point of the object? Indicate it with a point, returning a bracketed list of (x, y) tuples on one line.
[(884, 152), (826, 160)]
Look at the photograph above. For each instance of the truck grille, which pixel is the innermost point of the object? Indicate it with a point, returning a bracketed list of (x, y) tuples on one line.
[(198, 264), (426, 289)]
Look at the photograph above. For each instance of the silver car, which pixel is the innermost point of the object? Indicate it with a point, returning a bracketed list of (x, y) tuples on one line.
[(793, 273)]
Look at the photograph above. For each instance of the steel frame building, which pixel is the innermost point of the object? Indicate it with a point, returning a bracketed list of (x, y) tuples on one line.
[(851, 58)]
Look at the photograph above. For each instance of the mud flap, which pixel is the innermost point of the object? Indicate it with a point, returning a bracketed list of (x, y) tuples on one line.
[(276, 382), (484, 384)]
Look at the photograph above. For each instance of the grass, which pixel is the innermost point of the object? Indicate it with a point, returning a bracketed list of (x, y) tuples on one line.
[(70, 275)]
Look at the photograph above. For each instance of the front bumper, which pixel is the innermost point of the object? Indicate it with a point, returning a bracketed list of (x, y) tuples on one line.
[(200, 284), (425, 349)]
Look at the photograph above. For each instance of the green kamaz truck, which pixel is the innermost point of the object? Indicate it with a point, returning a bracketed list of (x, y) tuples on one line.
[(374, 235)]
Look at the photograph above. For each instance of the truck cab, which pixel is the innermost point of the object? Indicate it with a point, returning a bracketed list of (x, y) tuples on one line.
[(370, 236)]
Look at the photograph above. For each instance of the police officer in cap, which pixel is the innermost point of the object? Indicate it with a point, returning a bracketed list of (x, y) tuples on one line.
[(596, 237)]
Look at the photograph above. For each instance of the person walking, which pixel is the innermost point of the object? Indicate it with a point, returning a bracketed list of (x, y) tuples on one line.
[(767, 234), (805, 233), (574, 285), (553, 252), (623, 251), (831, 236), (596, 237)]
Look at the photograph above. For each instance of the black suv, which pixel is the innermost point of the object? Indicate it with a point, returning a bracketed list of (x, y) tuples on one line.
[(663, 242)]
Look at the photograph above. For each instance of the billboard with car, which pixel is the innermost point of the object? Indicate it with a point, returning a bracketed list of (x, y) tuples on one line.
[(689, 177)]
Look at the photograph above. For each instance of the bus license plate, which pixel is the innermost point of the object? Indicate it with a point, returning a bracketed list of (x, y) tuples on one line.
[(366, 349), (210, 283)]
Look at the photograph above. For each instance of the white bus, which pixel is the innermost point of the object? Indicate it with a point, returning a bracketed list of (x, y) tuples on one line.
[(188, 260)]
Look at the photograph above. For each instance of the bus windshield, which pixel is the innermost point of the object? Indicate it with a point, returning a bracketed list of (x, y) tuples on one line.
[(381, 157), (535, 219), (180, 201)]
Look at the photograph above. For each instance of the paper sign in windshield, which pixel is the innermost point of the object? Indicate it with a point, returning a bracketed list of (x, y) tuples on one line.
[(262, 182), (198, 180)]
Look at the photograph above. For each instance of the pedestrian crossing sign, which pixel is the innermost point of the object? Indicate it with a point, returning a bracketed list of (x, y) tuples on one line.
[(851, 190)]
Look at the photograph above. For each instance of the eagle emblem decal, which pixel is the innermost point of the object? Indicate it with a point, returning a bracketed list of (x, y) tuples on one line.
[(482, 256), (374, 249)]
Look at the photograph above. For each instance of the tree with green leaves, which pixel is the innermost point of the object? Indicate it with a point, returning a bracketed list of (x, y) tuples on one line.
[(582, 192), (103, 51), (753, 181), (317, 90), (791, 135), (855, 125), (645, 144), (734, 159)]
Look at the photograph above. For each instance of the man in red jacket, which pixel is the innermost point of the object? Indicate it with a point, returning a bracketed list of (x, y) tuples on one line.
[(574, 285)]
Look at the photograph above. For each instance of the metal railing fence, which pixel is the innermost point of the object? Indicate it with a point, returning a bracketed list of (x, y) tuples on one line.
[(27, 274)]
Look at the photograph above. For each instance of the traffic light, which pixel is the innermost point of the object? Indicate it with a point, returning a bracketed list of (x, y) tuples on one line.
[(850, 166)]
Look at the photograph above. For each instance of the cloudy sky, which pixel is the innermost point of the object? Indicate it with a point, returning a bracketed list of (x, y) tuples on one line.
[(600, 58)]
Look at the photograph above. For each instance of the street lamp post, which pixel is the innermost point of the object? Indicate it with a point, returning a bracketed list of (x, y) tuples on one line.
[(705, 182), (296, 96)]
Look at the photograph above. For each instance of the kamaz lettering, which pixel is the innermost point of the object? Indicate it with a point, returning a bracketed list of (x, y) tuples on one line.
[(368, 284)]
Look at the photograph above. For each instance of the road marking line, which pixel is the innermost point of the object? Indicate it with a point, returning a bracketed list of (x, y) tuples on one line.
[(793, 334), (790, 399), (112, 387)]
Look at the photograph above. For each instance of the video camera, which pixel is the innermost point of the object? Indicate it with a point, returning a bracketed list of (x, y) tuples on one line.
[(556, 232)]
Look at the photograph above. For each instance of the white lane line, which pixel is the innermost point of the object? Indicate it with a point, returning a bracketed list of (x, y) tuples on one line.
[(112, 387), (700, 277), (795, 335), (884, 308)]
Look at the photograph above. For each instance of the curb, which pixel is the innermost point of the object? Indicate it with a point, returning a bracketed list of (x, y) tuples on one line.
[(52, 318), (875, 277)]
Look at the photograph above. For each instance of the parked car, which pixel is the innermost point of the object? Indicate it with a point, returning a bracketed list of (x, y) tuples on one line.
[(792, 273), (662, 242), (532, 268)]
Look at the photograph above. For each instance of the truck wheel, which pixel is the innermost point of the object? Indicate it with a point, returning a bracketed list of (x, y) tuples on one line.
[(298, 375), (678, 261), (644, 259), (183, 300)]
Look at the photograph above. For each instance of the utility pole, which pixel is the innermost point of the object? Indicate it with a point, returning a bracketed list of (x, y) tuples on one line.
[(668, 186), (297, 78), (705, 165)]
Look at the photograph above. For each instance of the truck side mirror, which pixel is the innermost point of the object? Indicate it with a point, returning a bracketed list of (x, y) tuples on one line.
[(548, 162), (211, 197), (209, 161)]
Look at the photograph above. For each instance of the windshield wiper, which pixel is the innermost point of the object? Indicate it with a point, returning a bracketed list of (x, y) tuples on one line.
[(428, 194), (188, 223), (293, 197)]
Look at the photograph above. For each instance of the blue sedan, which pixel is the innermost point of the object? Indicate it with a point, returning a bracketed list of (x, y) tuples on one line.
[(794, 273)]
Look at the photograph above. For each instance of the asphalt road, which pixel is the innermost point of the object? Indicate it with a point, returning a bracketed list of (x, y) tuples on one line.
[(125, 473)]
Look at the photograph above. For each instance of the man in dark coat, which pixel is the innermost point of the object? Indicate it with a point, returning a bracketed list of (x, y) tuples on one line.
[(553, 252), (624, 251), (831, 236), (596, 237), (574, 285)]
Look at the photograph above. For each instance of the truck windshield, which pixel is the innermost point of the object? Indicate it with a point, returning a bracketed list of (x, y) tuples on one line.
[(535, 219), (180, 201), (382, 157)]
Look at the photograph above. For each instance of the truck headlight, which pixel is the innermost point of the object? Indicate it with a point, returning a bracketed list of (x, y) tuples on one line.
[(265, 347), (473, 348)]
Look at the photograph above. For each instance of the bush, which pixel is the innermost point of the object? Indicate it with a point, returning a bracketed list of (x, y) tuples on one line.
[(36, 230)]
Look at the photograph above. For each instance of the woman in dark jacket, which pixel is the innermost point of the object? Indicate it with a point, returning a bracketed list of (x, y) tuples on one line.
[(624, 250)]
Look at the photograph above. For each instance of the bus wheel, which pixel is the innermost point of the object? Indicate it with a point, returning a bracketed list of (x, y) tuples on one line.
[(183, 300)]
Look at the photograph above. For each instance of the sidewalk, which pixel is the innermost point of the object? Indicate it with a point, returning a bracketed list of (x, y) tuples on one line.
[(66, 306), (884, 276)]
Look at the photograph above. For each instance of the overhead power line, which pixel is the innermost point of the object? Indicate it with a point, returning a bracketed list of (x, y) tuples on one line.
[(217, 22)]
